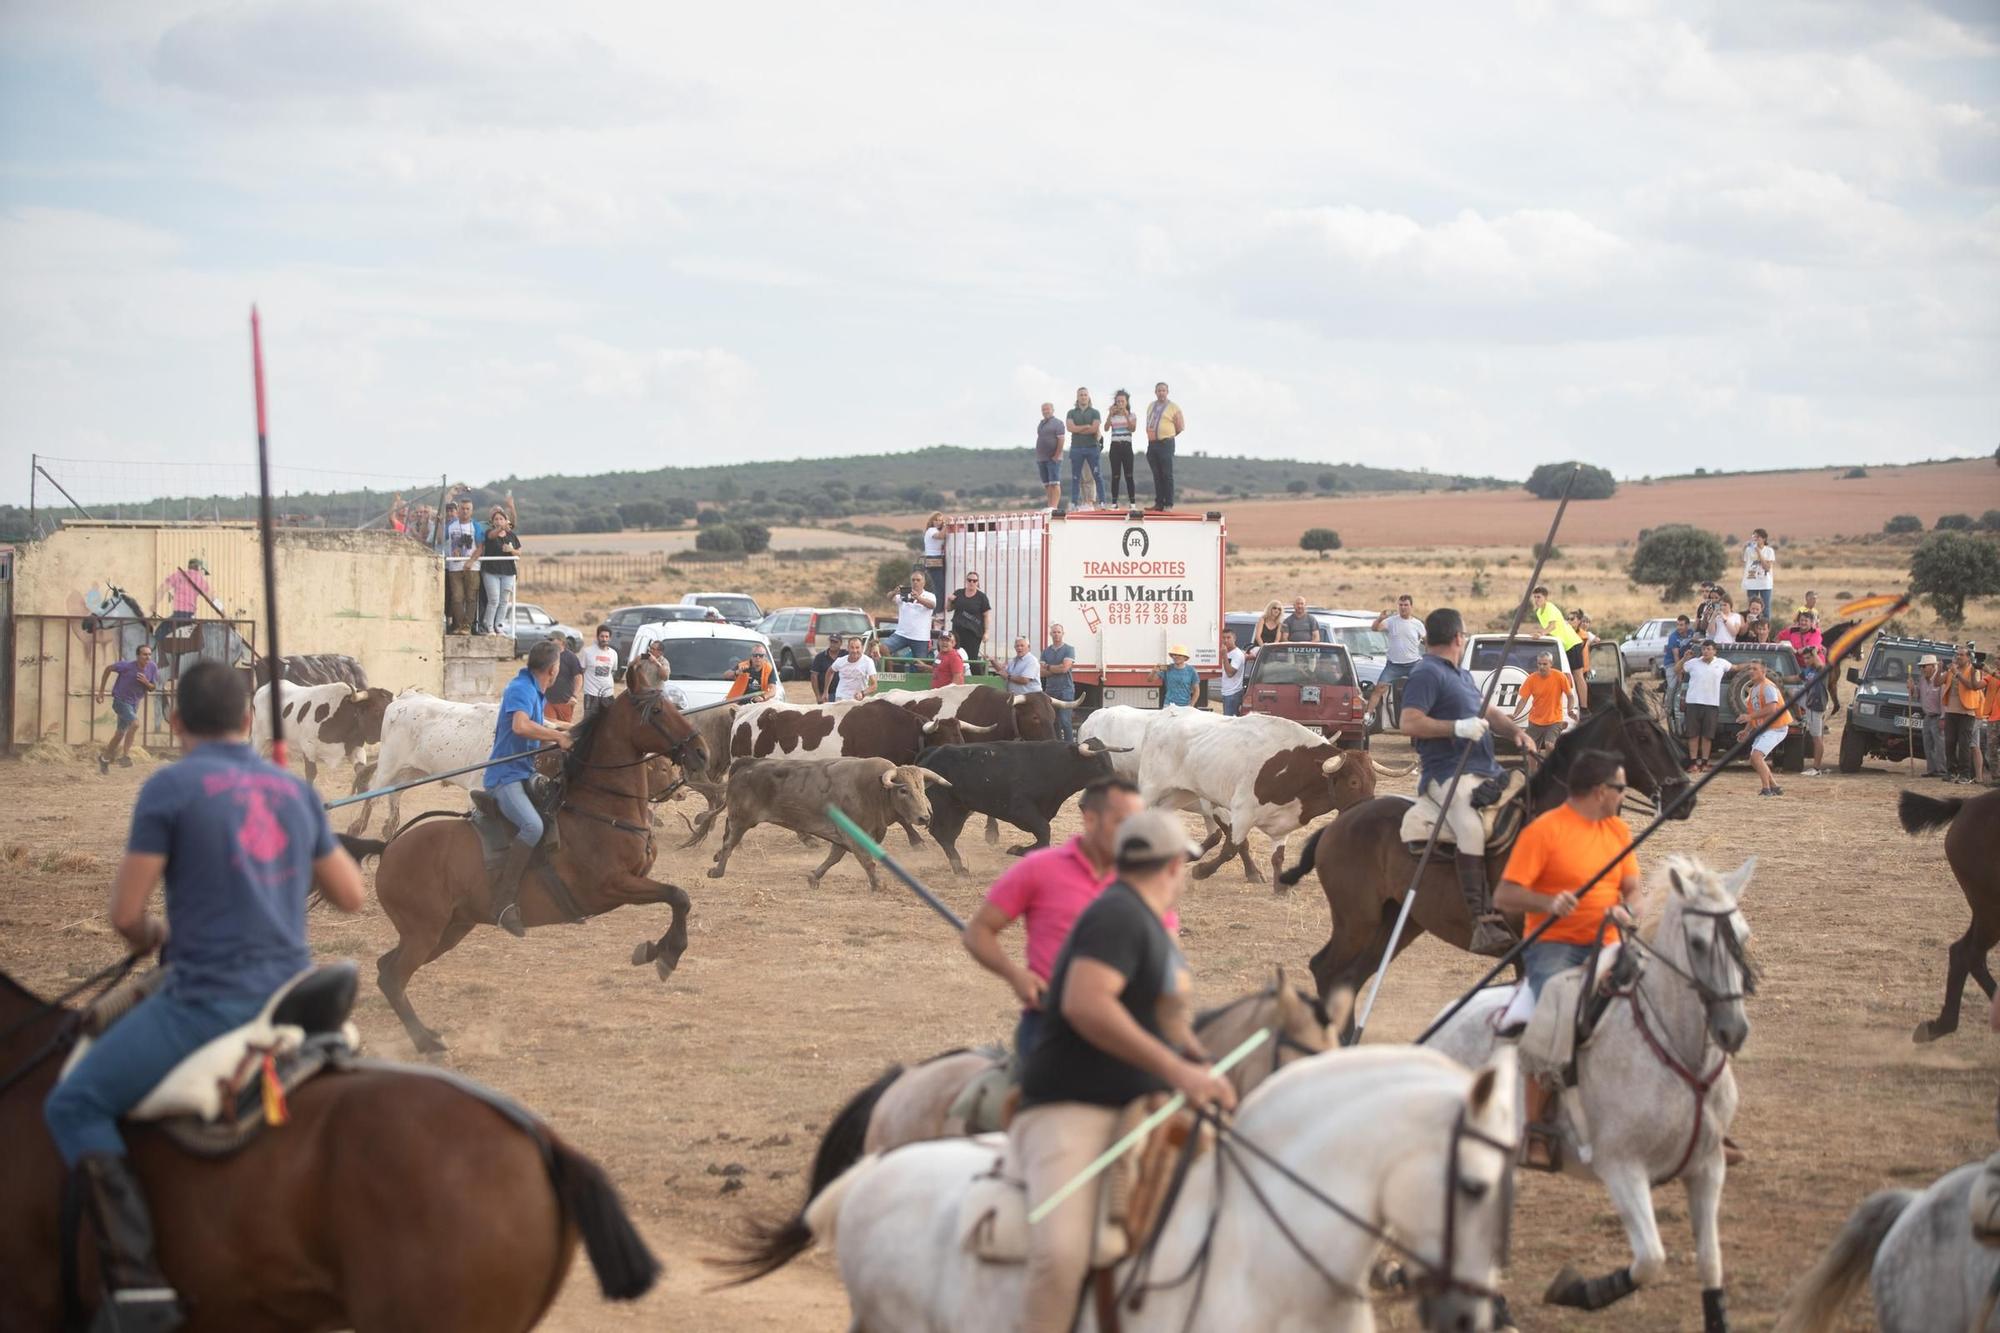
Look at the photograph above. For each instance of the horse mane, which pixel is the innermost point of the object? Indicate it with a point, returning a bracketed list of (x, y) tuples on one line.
[(7, 981), (583, 739), (1550, 773)]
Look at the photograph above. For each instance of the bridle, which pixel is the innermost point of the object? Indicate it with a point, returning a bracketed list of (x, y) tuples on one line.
[(1282, 1043), (1647, 807), (66, 1033), (1726, 938)]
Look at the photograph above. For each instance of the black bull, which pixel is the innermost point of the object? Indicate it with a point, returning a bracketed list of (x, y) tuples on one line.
[(1022, 782)]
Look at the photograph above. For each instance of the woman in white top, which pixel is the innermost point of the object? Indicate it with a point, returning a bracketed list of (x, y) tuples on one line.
[(1723, 622), (934, 561), (1118, 424)]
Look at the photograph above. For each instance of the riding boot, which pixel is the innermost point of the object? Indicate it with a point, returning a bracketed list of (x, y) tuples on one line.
[(507, 889), (137, 1297), (1489, 932)]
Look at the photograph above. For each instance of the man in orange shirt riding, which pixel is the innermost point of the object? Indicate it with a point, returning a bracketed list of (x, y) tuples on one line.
[(1546, 876), (1544, 700)]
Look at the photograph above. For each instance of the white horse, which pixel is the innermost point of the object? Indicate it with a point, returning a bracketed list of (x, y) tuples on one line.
[(1409, 1144), (1654, 1082), (1920, 1253)]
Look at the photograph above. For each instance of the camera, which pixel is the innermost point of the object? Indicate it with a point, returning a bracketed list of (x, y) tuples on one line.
[(903, 592)]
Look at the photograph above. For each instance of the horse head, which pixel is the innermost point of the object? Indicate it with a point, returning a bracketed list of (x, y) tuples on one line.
[(654, 725), (1654, 763), (1702, 933)]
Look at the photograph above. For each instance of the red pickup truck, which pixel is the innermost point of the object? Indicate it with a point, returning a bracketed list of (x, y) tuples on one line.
[(1313, 684)]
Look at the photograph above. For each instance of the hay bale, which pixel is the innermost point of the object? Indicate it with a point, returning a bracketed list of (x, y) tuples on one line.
[(49, 750)]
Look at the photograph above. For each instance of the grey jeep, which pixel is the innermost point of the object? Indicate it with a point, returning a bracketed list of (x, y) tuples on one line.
[(1885, 720)]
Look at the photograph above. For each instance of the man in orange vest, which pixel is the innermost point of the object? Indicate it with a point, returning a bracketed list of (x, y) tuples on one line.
[(1964, 703), (754, 676)]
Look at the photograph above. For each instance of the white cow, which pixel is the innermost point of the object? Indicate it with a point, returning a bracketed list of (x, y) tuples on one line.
[(1124, 728), (422, 734), (324, 724)]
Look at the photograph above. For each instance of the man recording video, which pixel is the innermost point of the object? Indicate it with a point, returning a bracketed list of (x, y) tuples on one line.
[(914, 605)]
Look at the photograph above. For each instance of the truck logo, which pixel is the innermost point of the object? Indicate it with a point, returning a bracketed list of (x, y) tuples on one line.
[(1091, 620), (1135, 543)]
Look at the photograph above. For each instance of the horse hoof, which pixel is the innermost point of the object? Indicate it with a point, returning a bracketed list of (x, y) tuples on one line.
[(715, 872), (1566, 1288), (643, 953), (665, 965), (430, 1043), (1926, 1033)]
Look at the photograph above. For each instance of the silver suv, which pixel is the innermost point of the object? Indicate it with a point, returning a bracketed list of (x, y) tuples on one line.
[(798, 632)]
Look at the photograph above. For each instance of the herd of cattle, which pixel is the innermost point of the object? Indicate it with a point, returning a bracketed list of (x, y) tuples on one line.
[(919, 758)]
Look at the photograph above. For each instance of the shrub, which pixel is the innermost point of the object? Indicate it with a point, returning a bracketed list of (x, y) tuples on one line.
[(1319, 539), (708, 517), (1327, 481), (891, 573), (719, 539), (1903, 523), (1676, 557), (682, 507), (1990, 521), (1951, 566), (1953, 523), (643, 513), (1592, 483), (1547, 551), (756, 538), (1854, 474), (1296, 486)]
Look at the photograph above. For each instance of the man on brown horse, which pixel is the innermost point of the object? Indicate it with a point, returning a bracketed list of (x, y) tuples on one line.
[(516, 732), (1441, 716), (241, 843)]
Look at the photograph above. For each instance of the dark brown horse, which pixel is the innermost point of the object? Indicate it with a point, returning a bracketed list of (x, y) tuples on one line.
[(391, 1200), (1364, 868), (432, 882), (1972, 846)]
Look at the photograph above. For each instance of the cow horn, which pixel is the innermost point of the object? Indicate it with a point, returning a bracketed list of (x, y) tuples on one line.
[(1020, 699), (1064, 704), (930, 726), (975, 731), (938, 778), (1402, 772), (1332, 766), (889, 778)]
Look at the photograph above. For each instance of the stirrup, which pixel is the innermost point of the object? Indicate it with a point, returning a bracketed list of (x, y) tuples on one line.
[(1490, 936), (1549, 1139), (508, 919), (139, 1310)]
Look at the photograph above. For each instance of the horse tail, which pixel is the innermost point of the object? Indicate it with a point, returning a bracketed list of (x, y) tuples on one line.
[(361, 848), (1919, 813), (1291, 875), (768, 1246), (625, 1268), (1816, 1300)]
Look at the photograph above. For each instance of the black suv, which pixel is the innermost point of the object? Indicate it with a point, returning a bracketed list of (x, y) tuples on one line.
[(1884, 720), (1781, 664), (625, 622)]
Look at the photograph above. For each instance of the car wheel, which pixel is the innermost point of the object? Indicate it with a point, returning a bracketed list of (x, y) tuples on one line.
[(788, 667), (1853, 748)]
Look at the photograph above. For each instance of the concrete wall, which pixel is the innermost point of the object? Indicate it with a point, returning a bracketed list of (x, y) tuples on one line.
[(375, 596)]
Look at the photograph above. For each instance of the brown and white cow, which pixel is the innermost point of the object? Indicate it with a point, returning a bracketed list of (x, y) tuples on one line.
[(1013, 717), (795, 793), (325, 724), (1253, 772), (871, 729)]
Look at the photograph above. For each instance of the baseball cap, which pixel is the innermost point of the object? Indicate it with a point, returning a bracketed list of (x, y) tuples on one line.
[(1152, 835)]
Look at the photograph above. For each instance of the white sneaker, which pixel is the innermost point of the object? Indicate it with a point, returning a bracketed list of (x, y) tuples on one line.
[(1808, 772)]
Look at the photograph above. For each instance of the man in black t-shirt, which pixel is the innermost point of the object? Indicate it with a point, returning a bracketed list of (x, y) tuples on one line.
[(969, 615), (822, 663), (1102, 1046), (560, 701)]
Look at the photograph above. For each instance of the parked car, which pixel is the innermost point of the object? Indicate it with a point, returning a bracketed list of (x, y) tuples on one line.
[(1367, 647), (735, 607), (532, 625), (1483, 656), (798, 632), (1782, 665), (1645, 646), (626, 620), (1607, 676), (704, 654), (1883, 720), (1313, 684)]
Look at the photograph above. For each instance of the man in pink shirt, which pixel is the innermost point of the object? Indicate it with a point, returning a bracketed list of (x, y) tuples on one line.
[(1047, 891), (1802, 633), (187, 587)]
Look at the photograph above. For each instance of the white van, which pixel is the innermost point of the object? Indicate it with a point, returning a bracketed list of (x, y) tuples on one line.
[(704, 654)]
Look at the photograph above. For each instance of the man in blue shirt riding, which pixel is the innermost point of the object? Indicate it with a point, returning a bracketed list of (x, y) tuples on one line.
[(1442, 718), (518, 732), (241, 843)]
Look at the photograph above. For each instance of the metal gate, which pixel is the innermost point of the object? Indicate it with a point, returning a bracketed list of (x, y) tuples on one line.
[(57, 663)]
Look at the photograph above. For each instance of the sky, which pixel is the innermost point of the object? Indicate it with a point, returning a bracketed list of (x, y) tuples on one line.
[(498, 238)]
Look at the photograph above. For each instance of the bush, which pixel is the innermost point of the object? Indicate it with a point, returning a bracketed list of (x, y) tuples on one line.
[(1296, 486), (683, 508), (1854, 474), (1547, 551), (1950, 567), (708, 517), (1990, 521), (1953, 523), (1676, 557), (1319, 539), (892, 572), (1327, 481), (756, 538), (720, 539), (643, 514), (1592, 483), (1903, 523)]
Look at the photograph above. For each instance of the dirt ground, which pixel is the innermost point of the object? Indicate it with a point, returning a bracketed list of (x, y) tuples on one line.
[(704, 1095)]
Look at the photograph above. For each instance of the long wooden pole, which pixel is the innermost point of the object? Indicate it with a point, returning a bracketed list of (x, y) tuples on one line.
[(265, 530)]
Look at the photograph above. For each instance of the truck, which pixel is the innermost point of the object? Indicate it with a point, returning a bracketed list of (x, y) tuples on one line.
[(1884, 720), (1124, 587)]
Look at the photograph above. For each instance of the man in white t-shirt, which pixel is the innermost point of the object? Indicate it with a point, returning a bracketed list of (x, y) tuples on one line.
[(1024, 673), (1764, 713), (914, 604), (854, 674), (1405, 632), (1702, 703), (1230, 684), (600, 673), (1759, 562)]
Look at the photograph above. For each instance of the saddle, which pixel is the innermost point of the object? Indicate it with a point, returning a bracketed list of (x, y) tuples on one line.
[(1985, 1203), (983, 1106), (993, 1219), (223, 1094), (1502, 808), (496, 833), (1565, 1019)]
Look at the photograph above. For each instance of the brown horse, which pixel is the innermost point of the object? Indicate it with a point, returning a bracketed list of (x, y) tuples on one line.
[(1364, 867), (1973, 849), (432, 881), (391, 1200)]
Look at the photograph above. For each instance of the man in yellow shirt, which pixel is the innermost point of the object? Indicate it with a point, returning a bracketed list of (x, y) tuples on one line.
[(1544, 702), (1164, 424), (1545, 877), (1556, 625)]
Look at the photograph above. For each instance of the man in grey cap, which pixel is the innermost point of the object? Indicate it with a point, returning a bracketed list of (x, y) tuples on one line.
[(1927, 688), (1103, 1044)]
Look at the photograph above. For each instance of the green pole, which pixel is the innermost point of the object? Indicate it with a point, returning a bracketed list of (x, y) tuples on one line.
[(874, 849), (1145, 1127)]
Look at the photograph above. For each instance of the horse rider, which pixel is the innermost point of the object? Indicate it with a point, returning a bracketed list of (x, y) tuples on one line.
[(1545, 877), (1103, 1045), (518, 731), (1441, 716), (240, 843), (754, 675), (185, 587), (1046, 891)]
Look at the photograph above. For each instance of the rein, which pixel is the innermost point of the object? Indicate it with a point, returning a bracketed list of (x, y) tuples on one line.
[(66, 1034)]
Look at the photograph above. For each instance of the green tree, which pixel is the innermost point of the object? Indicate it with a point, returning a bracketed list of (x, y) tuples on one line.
[(891, 573), (756, 538), (1296, 486), (727, 489), (1327, 481), (1949, 567), (1592, 483), (1902, 524), (1319, 539), (1953, 523), (643, 514), (1990, 521), (720, 539), (1677, 556)]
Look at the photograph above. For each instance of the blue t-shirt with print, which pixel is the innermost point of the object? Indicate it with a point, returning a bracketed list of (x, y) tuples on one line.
[(240, 836), (1059, 684), (1446, 693), (1814, 680), (1177, 685), (1677, 642), (522, 696)]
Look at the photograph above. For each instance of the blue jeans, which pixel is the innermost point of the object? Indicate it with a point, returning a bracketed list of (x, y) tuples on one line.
[(1063, 724), (1544, 959), (512, 798), (1049, 470), (1026, 1031), (1080, 457), (895, 645), (1160, 459), (499, 603), (1232, 704), (1934, 765), (127, 1062)]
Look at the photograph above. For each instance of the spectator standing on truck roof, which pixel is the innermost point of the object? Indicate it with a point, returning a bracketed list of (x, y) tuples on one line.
[(1928, 687), (1703, 706), (913, 603), (1679, 643), (1058, 678), (1271, 627), (1300, 627), (1024, 672), (1230, 683), (1405, 632), (969, 613), (1048, 454), (1759, 563), (1964, 701), (1178, 681), (1812, 671), (934, 562), (1164, 425), (1086, 450), (1120, 424)]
